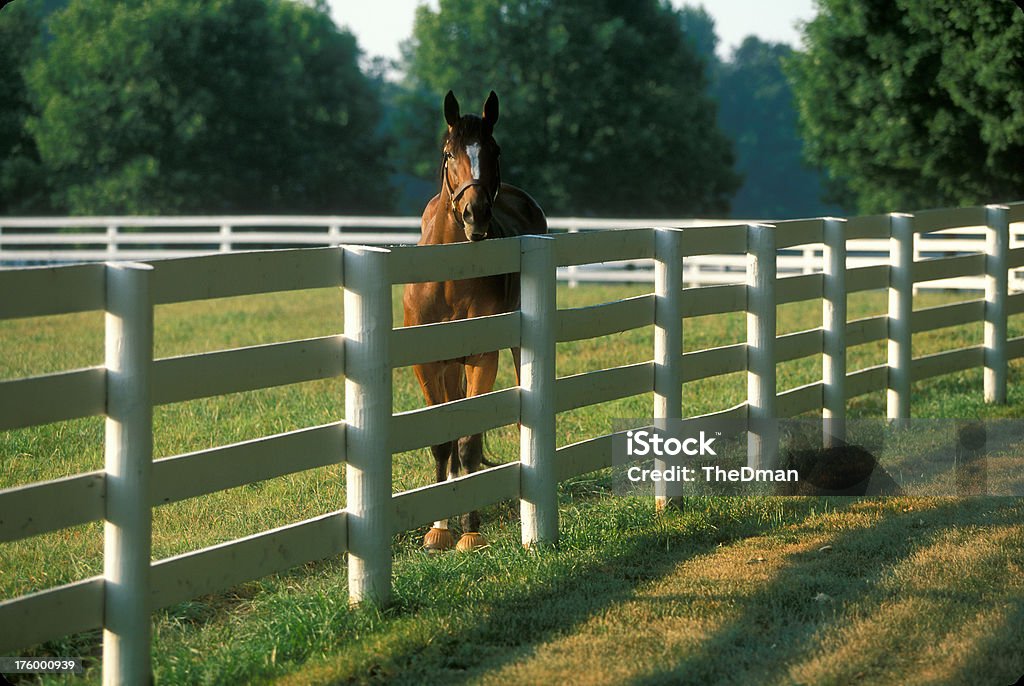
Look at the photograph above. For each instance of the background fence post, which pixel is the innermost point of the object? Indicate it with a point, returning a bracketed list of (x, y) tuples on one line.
[(111, 239), (808, 260), (762, 443), (997, 246), (368, 418), (915, 289), (225, 238), (538, 481), (127, 534), (833, 360), (1016, 283), (668, 338), (901, 305), (573, 269)]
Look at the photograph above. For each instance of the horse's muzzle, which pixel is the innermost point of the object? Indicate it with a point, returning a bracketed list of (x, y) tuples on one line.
[(477, 222), (477, 231)]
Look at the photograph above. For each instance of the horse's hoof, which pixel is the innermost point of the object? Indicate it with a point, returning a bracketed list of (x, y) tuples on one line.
[(438, 540), (470, 541)]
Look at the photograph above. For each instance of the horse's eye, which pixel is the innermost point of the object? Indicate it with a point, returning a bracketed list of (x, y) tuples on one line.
[(449, 155)]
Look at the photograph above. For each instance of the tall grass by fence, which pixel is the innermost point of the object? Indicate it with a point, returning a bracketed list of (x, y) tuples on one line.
[(54, 240), (130, 383)]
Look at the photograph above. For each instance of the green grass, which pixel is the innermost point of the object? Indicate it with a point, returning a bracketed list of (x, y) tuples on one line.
[(679, 585)]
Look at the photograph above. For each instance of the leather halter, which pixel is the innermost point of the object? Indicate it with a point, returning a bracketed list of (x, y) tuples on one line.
[(454, 195)]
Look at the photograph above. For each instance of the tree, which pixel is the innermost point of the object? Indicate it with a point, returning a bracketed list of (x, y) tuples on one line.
[(915, 103), (170, 106), (604, 104), (699, 28), (22, 181), (756, 109)]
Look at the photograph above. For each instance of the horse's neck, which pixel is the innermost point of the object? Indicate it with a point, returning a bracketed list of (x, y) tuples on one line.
[(442, 223)]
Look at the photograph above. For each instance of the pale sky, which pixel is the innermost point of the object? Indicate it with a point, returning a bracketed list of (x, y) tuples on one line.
[(380, 25)]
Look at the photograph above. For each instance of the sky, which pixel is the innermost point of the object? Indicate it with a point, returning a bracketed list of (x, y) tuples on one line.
[(380, 25)]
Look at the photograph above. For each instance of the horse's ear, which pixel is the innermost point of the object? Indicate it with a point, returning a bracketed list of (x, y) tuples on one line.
[(491, 109), (451, 109)]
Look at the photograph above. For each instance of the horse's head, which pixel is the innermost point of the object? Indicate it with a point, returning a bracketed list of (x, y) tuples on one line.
[(469, 165)]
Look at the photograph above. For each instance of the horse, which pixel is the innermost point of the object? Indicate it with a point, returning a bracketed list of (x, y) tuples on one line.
[(472, 205)]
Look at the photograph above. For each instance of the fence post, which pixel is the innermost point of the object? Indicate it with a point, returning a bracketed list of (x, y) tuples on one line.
[(901, 305), (808, 259), (368, 417), (225, 238), (833, 361), (111, 239), (127, 534), (1016, 283), (668, 337), (997, 246), (538, 481), (761, 379), (333, 235), (573, 283), (915, 289)]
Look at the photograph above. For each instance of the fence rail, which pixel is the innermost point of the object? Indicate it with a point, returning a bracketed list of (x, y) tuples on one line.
[(131, 382), (54, 240)]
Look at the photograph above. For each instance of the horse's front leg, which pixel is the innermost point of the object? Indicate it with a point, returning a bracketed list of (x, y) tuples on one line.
[(481, 371), (439, 538), (434, 380)]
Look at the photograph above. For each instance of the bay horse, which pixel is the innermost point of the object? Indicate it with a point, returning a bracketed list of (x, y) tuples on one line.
[(472, 205)]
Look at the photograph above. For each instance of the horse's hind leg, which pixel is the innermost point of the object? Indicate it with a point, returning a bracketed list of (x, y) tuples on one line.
[(481, 371), (471, 455), (516, 360)]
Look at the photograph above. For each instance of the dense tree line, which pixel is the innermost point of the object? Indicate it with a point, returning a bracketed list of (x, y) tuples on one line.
[(915, 103), (178, 106), (605, 106), (756, 110), (609, 107)]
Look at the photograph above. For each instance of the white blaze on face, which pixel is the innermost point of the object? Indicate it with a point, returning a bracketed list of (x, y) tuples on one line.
[(473, 150)]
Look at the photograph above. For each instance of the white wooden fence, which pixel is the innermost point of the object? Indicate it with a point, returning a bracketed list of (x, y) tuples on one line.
[(130, 383), (50, 240)]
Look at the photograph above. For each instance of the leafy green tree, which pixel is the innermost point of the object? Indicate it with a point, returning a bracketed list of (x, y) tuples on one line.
[(756, 109), (915, 103), (699, 28), (604, 105), (22, 181), (172, 106)]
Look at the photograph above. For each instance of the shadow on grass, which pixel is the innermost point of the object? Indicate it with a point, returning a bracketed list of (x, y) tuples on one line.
[(570, 589), (781, 623), (993, 648)]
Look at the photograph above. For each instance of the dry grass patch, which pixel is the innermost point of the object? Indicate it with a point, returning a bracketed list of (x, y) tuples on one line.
[(907, 591)]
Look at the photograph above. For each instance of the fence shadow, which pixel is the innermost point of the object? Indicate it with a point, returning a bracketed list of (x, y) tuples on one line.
[(524, 618), (763, 646)]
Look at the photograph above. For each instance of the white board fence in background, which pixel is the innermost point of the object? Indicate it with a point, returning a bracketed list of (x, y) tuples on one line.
[(29, 241), (130, 383)]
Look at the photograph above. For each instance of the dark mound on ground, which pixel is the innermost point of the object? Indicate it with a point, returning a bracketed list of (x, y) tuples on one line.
[(839, 470)]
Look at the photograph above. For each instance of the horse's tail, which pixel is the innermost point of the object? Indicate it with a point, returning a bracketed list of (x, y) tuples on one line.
[(483, 453)]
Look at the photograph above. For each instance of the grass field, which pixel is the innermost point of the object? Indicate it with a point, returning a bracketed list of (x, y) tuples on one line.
[(926, 589)]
